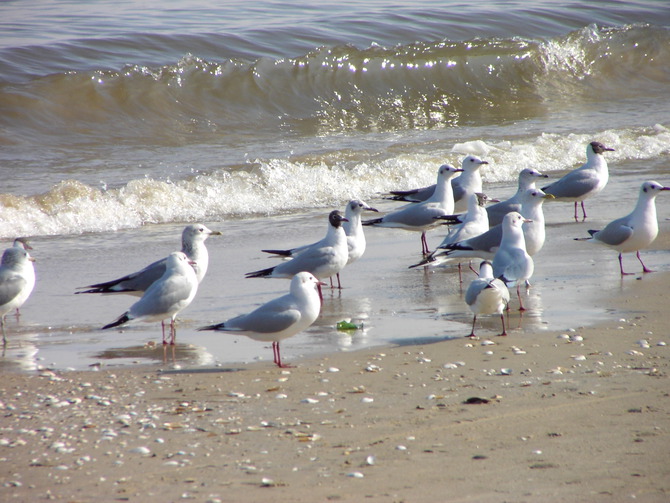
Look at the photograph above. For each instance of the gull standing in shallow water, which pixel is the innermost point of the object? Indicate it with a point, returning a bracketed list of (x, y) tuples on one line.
[(323, 259), (527, 179), (166, 297), (636, 230), (485, 246), (473, 223), (511, 263), (17, 279), (487, 295), (419, 217), (280, 318), (585, 181), (352, 228), (468, 183), (23, 243), (193, 246)]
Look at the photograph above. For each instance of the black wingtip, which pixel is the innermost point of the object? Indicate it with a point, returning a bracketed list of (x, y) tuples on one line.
[(260, 274), (124, 318), (218, 326), (373, 221), (283, 253)]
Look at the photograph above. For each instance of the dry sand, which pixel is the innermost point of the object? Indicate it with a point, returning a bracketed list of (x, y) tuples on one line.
[(579, 416)]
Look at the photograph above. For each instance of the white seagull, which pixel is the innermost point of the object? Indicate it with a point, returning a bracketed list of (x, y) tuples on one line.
[(635, 231), (585, 181), (323, 259), (166, 297), (420, 217), (17, 279), (468, 183), (352, 228), (487, 295), (485, 246), (280, 318), (23, 243), (511, 263), (192, 245), (527, 180)]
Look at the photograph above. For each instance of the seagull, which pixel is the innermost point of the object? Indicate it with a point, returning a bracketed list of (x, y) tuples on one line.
[(419, 217), (511, 263), (166, 297), (635, 231), (585, 181), (473, 223), (323, 259), (527, 179), (280, 318), (352, 228), (23, 243), (485, 246), (468, 183), (193, 245), (17, 279), (487, 295)]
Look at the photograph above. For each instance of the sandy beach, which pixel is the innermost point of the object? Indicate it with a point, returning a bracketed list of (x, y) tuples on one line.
[(541, 415)]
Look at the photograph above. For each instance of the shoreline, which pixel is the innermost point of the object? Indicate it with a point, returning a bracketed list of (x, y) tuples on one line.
[(565, 420)]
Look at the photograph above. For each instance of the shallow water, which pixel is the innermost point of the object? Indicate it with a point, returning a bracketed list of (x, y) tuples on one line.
[(120, 122)]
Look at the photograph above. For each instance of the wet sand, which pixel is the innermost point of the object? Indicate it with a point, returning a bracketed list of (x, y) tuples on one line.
[(572, 406), (569, 416)]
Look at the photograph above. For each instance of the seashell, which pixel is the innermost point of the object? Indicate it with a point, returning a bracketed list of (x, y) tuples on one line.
[(140, 450), (355, 475), (506, 371), (309, 400), (367, 399), (370, 460), (488, 342), (579, 358)]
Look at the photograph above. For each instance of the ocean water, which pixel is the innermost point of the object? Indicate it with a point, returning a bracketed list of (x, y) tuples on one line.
[(122, 121)]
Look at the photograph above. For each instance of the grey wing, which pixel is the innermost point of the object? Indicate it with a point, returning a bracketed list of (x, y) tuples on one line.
[(473, 290), (10, 286), (497, 211), (488, 241), (275, 316), (138, 281), (459, 192), (162, 296), (574, 184), (308, 260), (614, 233), (415, 215)]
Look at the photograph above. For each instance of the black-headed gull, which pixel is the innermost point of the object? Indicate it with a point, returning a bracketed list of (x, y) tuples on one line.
[(527, 180), (420, 217), (585, 181), (487, 295), (17, 279), (511, 263), (637, 230), (468, 183), (166, 297), (323, 259), (280, 318), (353, 229), (192, 245)]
